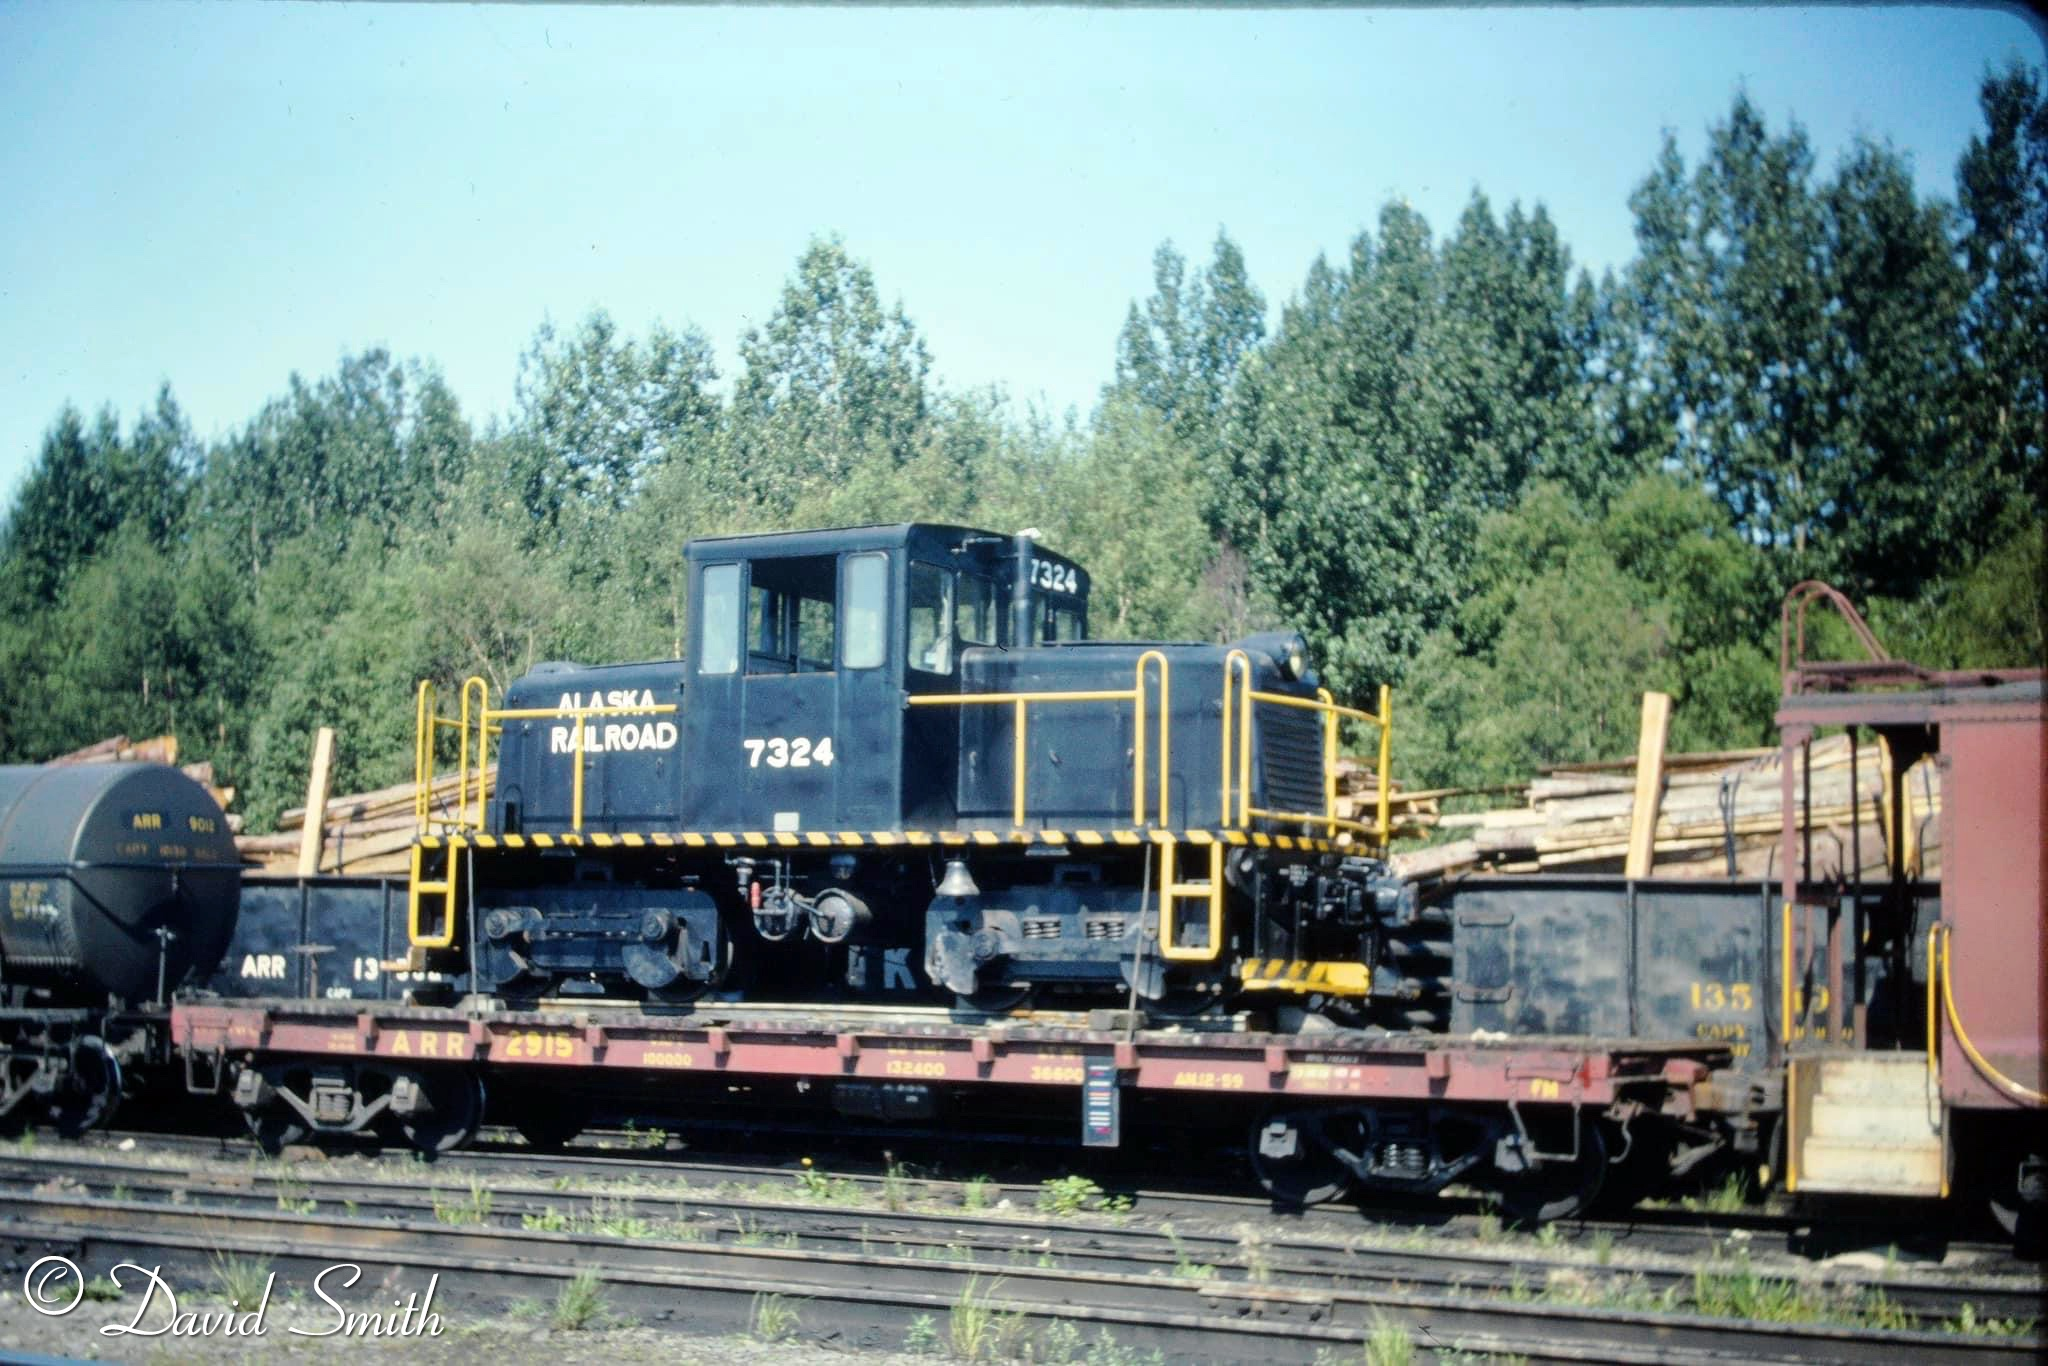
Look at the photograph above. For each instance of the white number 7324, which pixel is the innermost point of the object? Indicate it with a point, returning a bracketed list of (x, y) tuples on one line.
[(793, 752)]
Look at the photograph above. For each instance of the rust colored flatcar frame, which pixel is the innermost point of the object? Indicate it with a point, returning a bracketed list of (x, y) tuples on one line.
[(1572, 1071)]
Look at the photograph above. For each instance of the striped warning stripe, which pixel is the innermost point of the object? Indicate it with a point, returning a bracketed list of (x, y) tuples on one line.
[(1299, 975), (855, 839)]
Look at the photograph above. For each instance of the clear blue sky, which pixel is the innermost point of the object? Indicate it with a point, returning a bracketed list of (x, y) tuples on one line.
[(219, 195)]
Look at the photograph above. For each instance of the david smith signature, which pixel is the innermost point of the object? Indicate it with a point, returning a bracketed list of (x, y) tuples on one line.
[(54, 1286)]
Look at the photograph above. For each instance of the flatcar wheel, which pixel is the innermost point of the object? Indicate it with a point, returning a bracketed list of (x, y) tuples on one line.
[(275, 1128), (1558, 1190), (458, 1110), (91, 1089), (552, 1129), (1308, 1173)]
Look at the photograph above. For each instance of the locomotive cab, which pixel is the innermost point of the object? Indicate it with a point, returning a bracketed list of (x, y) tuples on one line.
[(805, 646)]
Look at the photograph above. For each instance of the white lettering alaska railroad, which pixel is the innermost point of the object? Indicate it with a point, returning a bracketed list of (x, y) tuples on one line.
[(611, 736)]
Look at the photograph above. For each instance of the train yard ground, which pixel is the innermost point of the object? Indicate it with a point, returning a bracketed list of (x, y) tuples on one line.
[(613, 1253)]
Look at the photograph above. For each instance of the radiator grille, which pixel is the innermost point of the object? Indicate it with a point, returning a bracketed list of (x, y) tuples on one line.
[(1291, 759)]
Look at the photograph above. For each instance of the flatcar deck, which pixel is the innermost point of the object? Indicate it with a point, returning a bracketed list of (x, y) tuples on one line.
[(1054, 1049)]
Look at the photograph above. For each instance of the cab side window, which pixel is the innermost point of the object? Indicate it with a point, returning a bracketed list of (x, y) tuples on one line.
[(932, 643), (864, 592), (791, 616), (974, 617), (718, 624)]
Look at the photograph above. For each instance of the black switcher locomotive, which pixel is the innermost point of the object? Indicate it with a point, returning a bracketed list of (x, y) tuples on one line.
[(894, 766)]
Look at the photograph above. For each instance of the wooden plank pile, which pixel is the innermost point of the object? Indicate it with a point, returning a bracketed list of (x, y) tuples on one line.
[(1576, 818), (361, 832), (1410, 812), (160, 749)]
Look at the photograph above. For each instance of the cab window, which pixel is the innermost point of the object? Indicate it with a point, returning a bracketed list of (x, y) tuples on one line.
[(1053, 622), (974, 615), (718, 624), (791, 618), (864, 591), (932, 640)]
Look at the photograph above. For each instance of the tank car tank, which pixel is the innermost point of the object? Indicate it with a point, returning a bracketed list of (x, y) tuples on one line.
[(116, 882)]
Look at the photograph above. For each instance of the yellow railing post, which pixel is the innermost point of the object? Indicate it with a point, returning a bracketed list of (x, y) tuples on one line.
[(475, 684), (576, 787), (422, 753), (1233, 663), (1018, 759), (1165, 738), (1329, 761)]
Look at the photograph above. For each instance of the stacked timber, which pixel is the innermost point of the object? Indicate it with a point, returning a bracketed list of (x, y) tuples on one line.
[(1717, 810), (1411, 812), (160, 749), (364, 833)]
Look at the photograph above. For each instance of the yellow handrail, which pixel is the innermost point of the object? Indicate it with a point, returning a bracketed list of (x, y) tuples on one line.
[(579, 715), (477, 724), (1955, 1024), (427, 725), (1237, 680), (423, 720), (474, 684), (1785, 977), (1135, 695)]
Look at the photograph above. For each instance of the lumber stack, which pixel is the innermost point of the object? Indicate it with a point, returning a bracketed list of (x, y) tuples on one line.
[(159, 749), (1412, 811), (1576, 818), (361, 832)]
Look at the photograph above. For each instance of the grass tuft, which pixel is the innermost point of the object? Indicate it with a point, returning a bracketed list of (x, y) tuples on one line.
[(774, 1318), (579, 1304)]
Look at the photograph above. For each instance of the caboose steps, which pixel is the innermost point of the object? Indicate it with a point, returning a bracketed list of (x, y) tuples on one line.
[(1865, 1124)]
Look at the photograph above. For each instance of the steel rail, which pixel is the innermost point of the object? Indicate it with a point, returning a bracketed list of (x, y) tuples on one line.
[(1199, 1319), (1092, 1246), (1673, 1232)]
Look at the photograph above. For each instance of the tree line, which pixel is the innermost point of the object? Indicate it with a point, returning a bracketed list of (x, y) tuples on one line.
[(1518, 493)]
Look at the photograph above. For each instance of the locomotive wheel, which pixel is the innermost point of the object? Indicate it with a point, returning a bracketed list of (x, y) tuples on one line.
[(1185, 1003), (995, 1000), (1311, 1175), (458, 1110), (1558, 1190)]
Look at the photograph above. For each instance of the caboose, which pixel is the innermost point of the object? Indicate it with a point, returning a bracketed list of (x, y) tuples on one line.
[(895, 763)]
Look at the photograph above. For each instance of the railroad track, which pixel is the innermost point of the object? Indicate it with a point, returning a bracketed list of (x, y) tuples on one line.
[(1668, 1232), (1302, 1295)]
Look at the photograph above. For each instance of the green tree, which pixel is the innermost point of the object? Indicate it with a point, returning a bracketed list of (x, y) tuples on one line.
[(832, 380), (2002, 191), (87, 483), (602, 414)]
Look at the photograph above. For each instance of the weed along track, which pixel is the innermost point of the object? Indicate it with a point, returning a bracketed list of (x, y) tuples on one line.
[(815, 1253)]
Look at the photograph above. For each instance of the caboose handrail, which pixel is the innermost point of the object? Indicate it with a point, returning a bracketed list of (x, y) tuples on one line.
[(1238, 697), (1135, 695)]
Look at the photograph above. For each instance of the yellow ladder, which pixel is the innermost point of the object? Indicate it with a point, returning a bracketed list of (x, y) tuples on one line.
[(1172, 892), (421, 893)]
